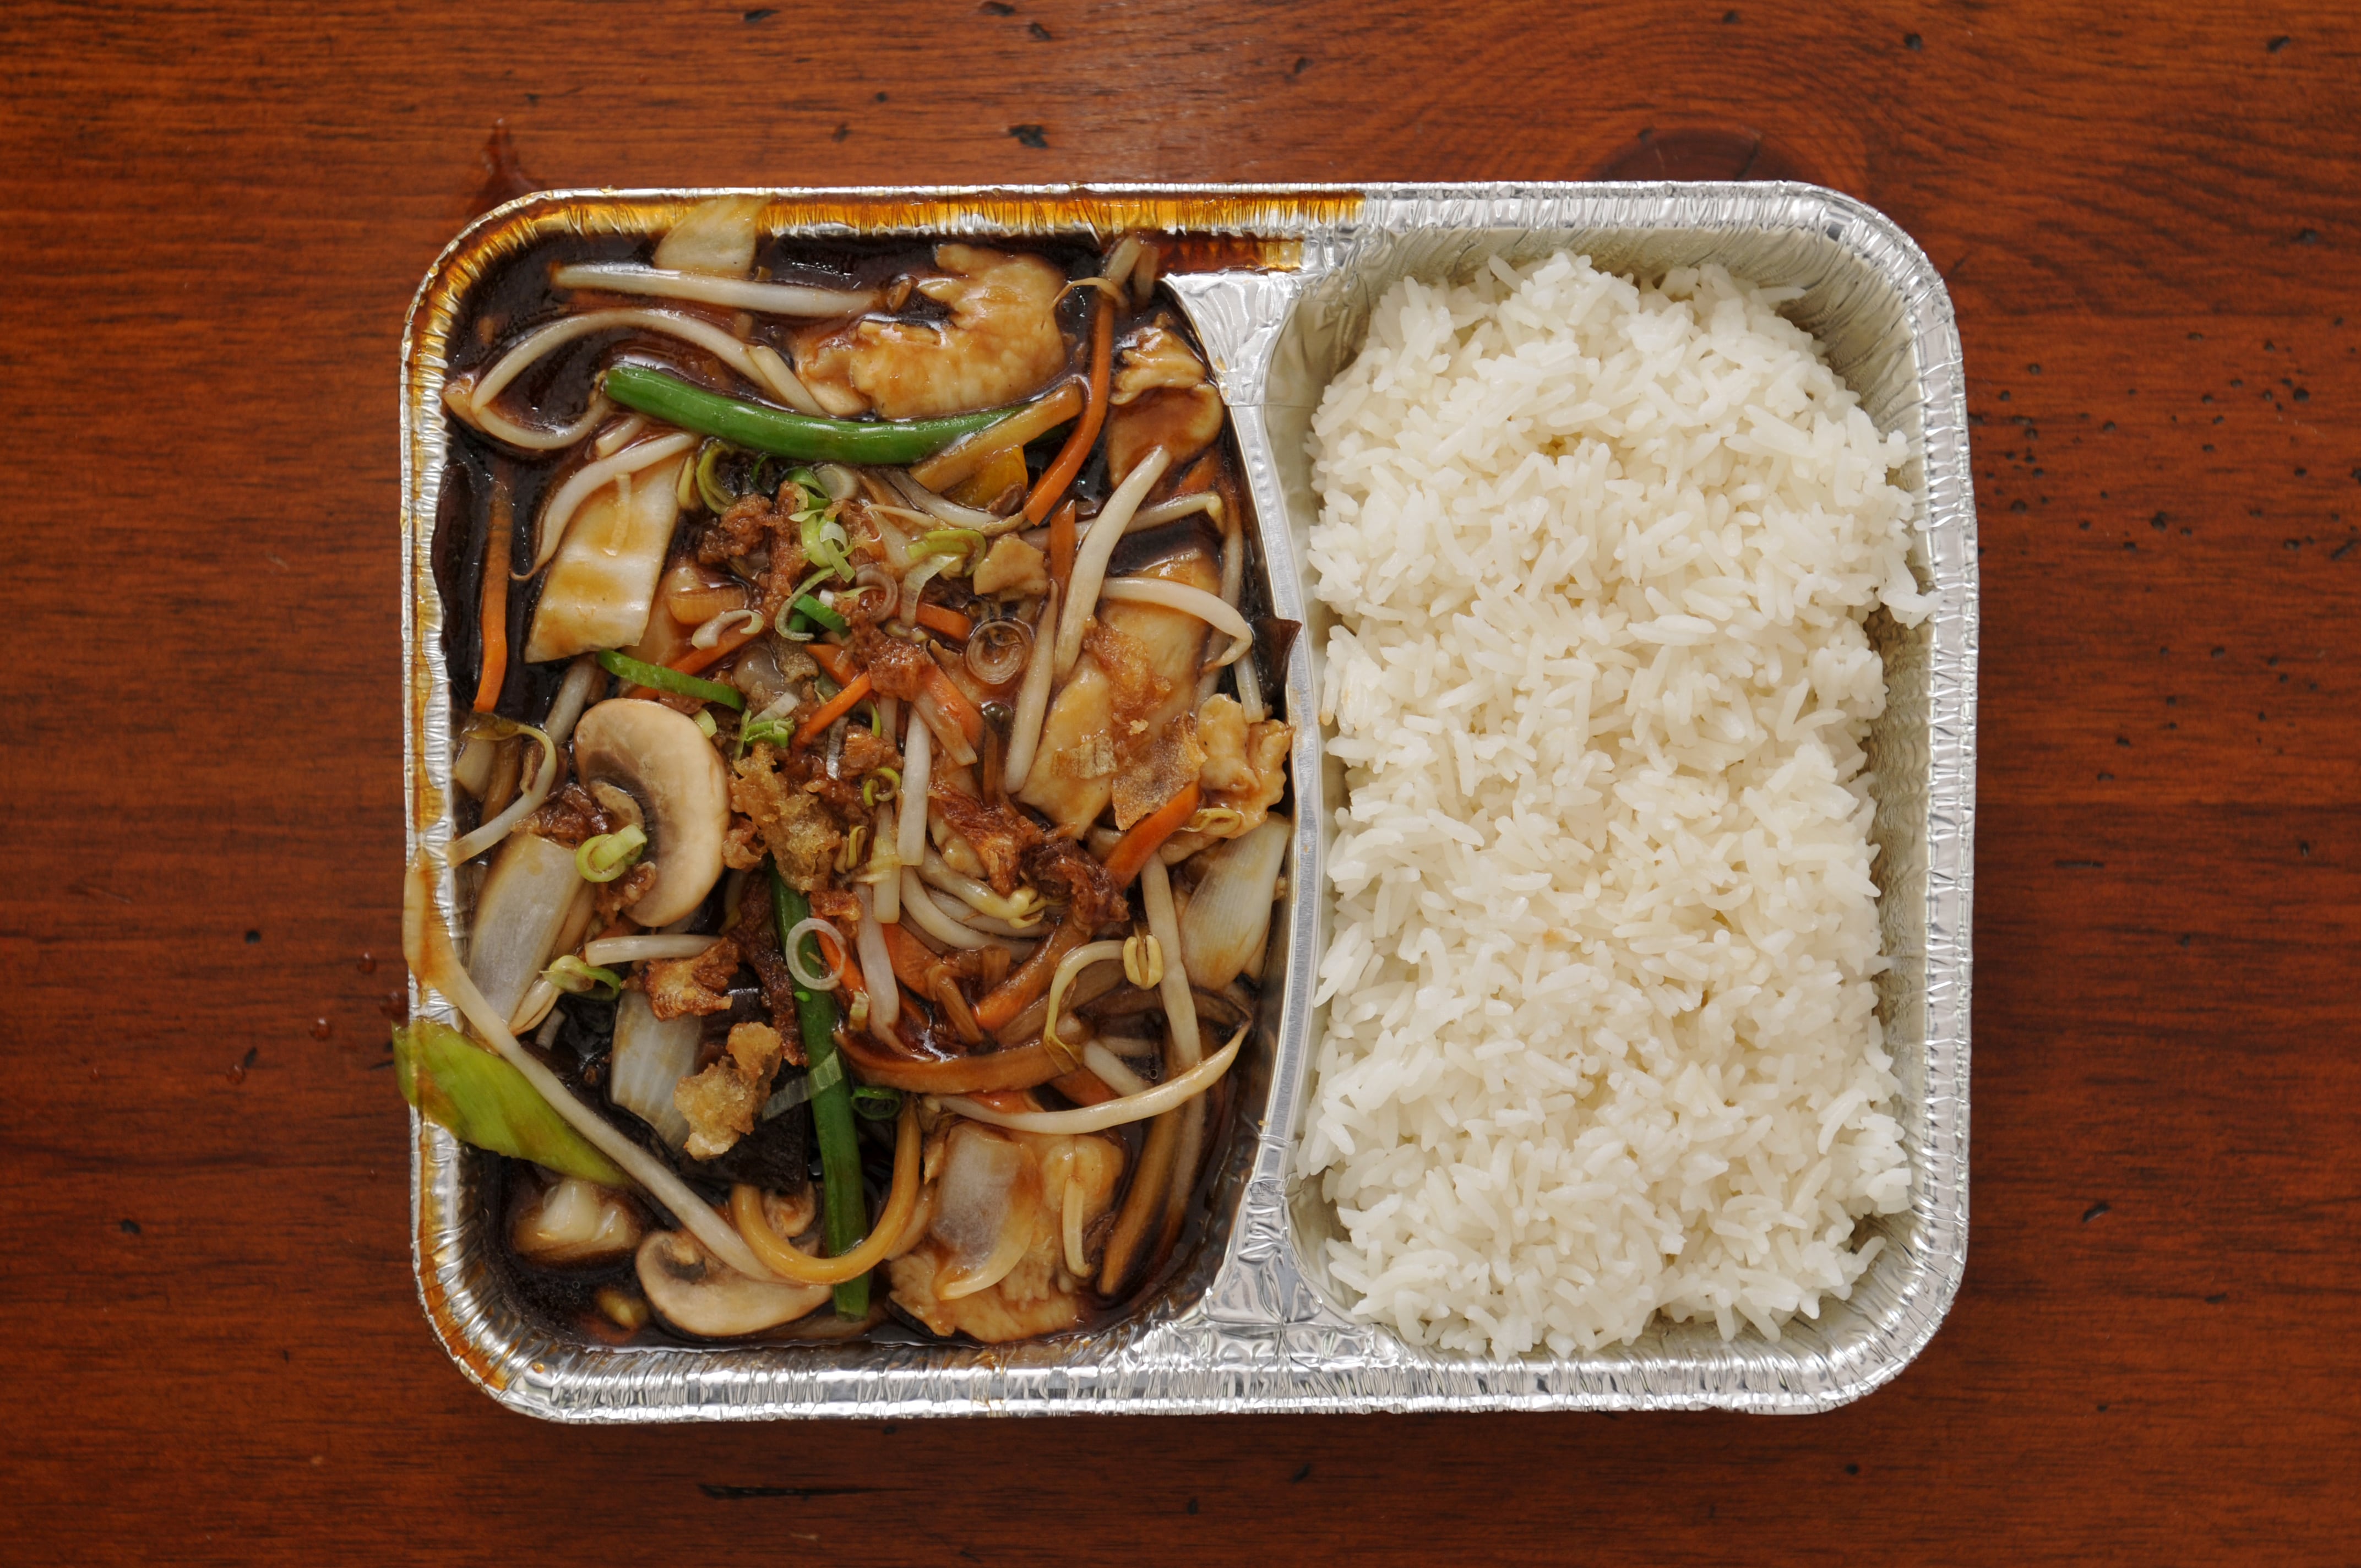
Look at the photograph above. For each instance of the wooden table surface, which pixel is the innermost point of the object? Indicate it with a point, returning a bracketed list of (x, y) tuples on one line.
[(212, 219)]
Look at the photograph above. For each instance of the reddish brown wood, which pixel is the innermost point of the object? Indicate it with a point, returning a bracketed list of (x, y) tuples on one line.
[(215, 217)]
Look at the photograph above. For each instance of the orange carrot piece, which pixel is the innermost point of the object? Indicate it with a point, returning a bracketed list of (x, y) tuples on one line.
[(945, 620), (1029, 981), (1060, 473), (494, 621), (836, 659), (911, 959), (954, 703), (1061, 546), (1147, 835), (834, 708)]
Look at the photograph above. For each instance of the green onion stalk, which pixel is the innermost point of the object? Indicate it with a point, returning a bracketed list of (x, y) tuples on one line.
[(640, 673), (761, 427), (847, 1216)]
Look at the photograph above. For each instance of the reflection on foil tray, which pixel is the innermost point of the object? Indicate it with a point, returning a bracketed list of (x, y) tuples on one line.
[(1283, 282)]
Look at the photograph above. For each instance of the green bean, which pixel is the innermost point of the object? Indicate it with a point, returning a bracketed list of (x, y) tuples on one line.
[(759, 427)]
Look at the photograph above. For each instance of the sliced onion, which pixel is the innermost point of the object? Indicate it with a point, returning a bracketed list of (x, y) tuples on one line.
[(1206, 606), (998, 650), (767, 299), (522, 915), (527, 801), (1228, 917), (876, 966), (796, 935), (651, 1056), (1091, 561), (611, 950), (1032, 698), (426, 946), (589, 480), (976, 1190), (1166, 1096)]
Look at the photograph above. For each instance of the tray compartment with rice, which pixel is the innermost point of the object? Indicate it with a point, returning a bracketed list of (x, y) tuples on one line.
[(1259, 1321)]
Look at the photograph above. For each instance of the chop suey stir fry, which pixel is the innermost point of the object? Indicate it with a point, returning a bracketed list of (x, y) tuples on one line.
[(881, 885)]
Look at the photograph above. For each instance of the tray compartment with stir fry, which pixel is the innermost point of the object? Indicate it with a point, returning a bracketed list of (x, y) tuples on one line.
[(866, 808)]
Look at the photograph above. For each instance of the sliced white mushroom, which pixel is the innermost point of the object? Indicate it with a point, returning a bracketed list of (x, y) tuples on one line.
[(697, 1295), (575, 1222), (524, 908), (659, 757)]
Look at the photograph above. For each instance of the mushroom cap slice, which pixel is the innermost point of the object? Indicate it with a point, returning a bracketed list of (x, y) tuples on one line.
[(698, 1295), (660, 759)]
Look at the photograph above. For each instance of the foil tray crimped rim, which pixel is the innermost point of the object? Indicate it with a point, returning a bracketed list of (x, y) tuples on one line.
[(1255, 1330)]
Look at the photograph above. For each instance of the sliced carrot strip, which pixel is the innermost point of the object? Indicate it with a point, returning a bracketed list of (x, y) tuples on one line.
[(836, 659), (834, 708), (1147, 835), (910, 957), (494, 621), (954, 703), (1061, 546), (1060, 473), (945, 620)]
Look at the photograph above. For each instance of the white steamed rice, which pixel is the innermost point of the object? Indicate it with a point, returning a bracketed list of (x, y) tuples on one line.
[(1601, 1040)]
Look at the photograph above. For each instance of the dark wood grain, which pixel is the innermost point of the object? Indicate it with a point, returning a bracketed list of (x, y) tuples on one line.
[(214, 219)]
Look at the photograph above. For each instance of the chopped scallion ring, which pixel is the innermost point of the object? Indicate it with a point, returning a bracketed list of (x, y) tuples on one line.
[(610, 855), (706, 726), (819, 614), (875, 1103), (640, 673)]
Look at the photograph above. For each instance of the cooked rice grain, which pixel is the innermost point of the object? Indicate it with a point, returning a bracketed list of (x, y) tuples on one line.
[(1601, 1036)]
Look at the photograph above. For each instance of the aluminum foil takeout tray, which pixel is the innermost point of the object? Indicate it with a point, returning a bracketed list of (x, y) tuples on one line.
[(1250, 1321)]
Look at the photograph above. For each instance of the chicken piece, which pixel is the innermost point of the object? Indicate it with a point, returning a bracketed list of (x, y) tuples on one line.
[(1156, 356), (1182, 421), (896, 669), (1001, 344), (1266, 745), (1082, 753), (800, 831), (1013, 1224), (678, 988), (865, 751), (721, 1102), (998, 835), (1221, 731), (1093, 899), (1155, 752), (1013, 566)]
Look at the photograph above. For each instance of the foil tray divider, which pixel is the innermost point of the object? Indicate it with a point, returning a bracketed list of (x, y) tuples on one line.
[(1250, 1323)]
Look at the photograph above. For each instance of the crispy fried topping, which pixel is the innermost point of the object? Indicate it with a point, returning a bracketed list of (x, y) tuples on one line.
[(721, 1102), (1000, 835), (678, 988)]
